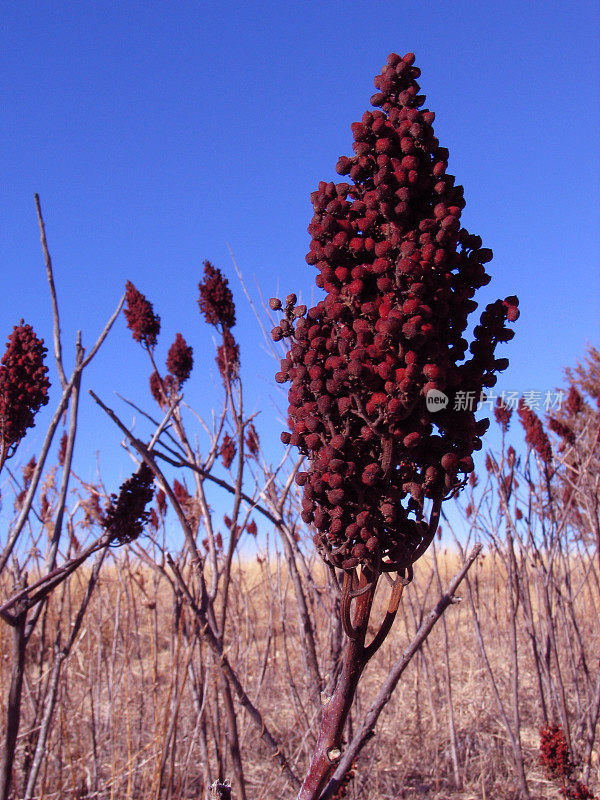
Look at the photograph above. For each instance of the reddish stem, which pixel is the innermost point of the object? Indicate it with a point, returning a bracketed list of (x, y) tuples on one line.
[(328, 750)]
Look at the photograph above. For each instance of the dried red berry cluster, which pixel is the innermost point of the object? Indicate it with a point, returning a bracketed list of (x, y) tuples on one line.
[(161, 388), (562, 430), (181, 493), (161, 502), (145, 326), (574, 403), (216, 300), (251, 439), (180, 360), (535, 435), (555, 759), (216, 303), (141, 319), (227, 451), (503, 413), (218, 543), (153, 520), (126, 515), (23, 386), (179, 366), (228, 356), (189, 505), (399, 274), (554, 752), (44, 507), (579, 791), (62, 450), (28, 471)]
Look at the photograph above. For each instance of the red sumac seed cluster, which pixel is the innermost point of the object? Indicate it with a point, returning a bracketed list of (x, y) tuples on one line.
[(227, 451), (554, 752), (141, 319), (399, 275), (216, 300), (126, 514), (216, 303), (180, 359), (535, 435), (23, 386)]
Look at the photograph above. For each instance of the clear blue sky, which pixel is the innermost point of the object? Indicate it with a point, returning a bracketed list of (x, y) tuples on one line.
[(158, 132)]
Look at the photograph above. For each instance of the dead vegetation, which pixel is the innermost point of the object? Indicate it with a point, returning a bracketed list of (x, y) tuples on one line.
[(136, 689)]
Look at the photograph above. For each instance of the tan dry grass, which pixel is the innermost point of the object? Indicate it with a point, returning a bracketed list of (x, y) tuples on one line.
[(132, 665)]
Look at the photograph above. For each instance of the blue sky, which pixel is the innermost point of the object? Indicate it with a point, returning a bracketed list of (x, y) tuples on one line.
[(160, 133)]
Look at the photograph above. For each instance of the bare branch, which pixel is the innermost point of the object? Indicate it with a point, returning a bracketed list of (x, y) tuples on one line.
[(103, 334), (50, 275)]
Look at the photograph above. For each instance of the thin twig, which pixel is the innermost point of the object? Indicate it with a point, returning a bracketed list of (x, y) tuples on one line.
[(55, 315)]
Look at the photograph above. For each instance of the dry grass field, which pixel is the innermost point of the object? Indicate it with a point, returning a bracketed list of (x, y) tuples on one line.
[(135, 716)]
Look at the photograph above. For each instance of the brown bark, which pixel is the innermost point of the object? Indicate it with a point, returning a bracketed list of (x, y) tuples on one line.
[(328, 750), (13, 713)]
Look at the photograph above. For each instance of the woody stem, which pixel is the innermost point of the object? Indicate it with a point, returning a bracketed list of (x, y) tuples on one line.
[(328, 750)]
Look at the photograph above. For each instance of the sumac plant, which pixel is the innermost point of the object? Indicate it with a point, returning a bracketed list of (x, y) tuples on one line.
[(23, 387), (384, 384)]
